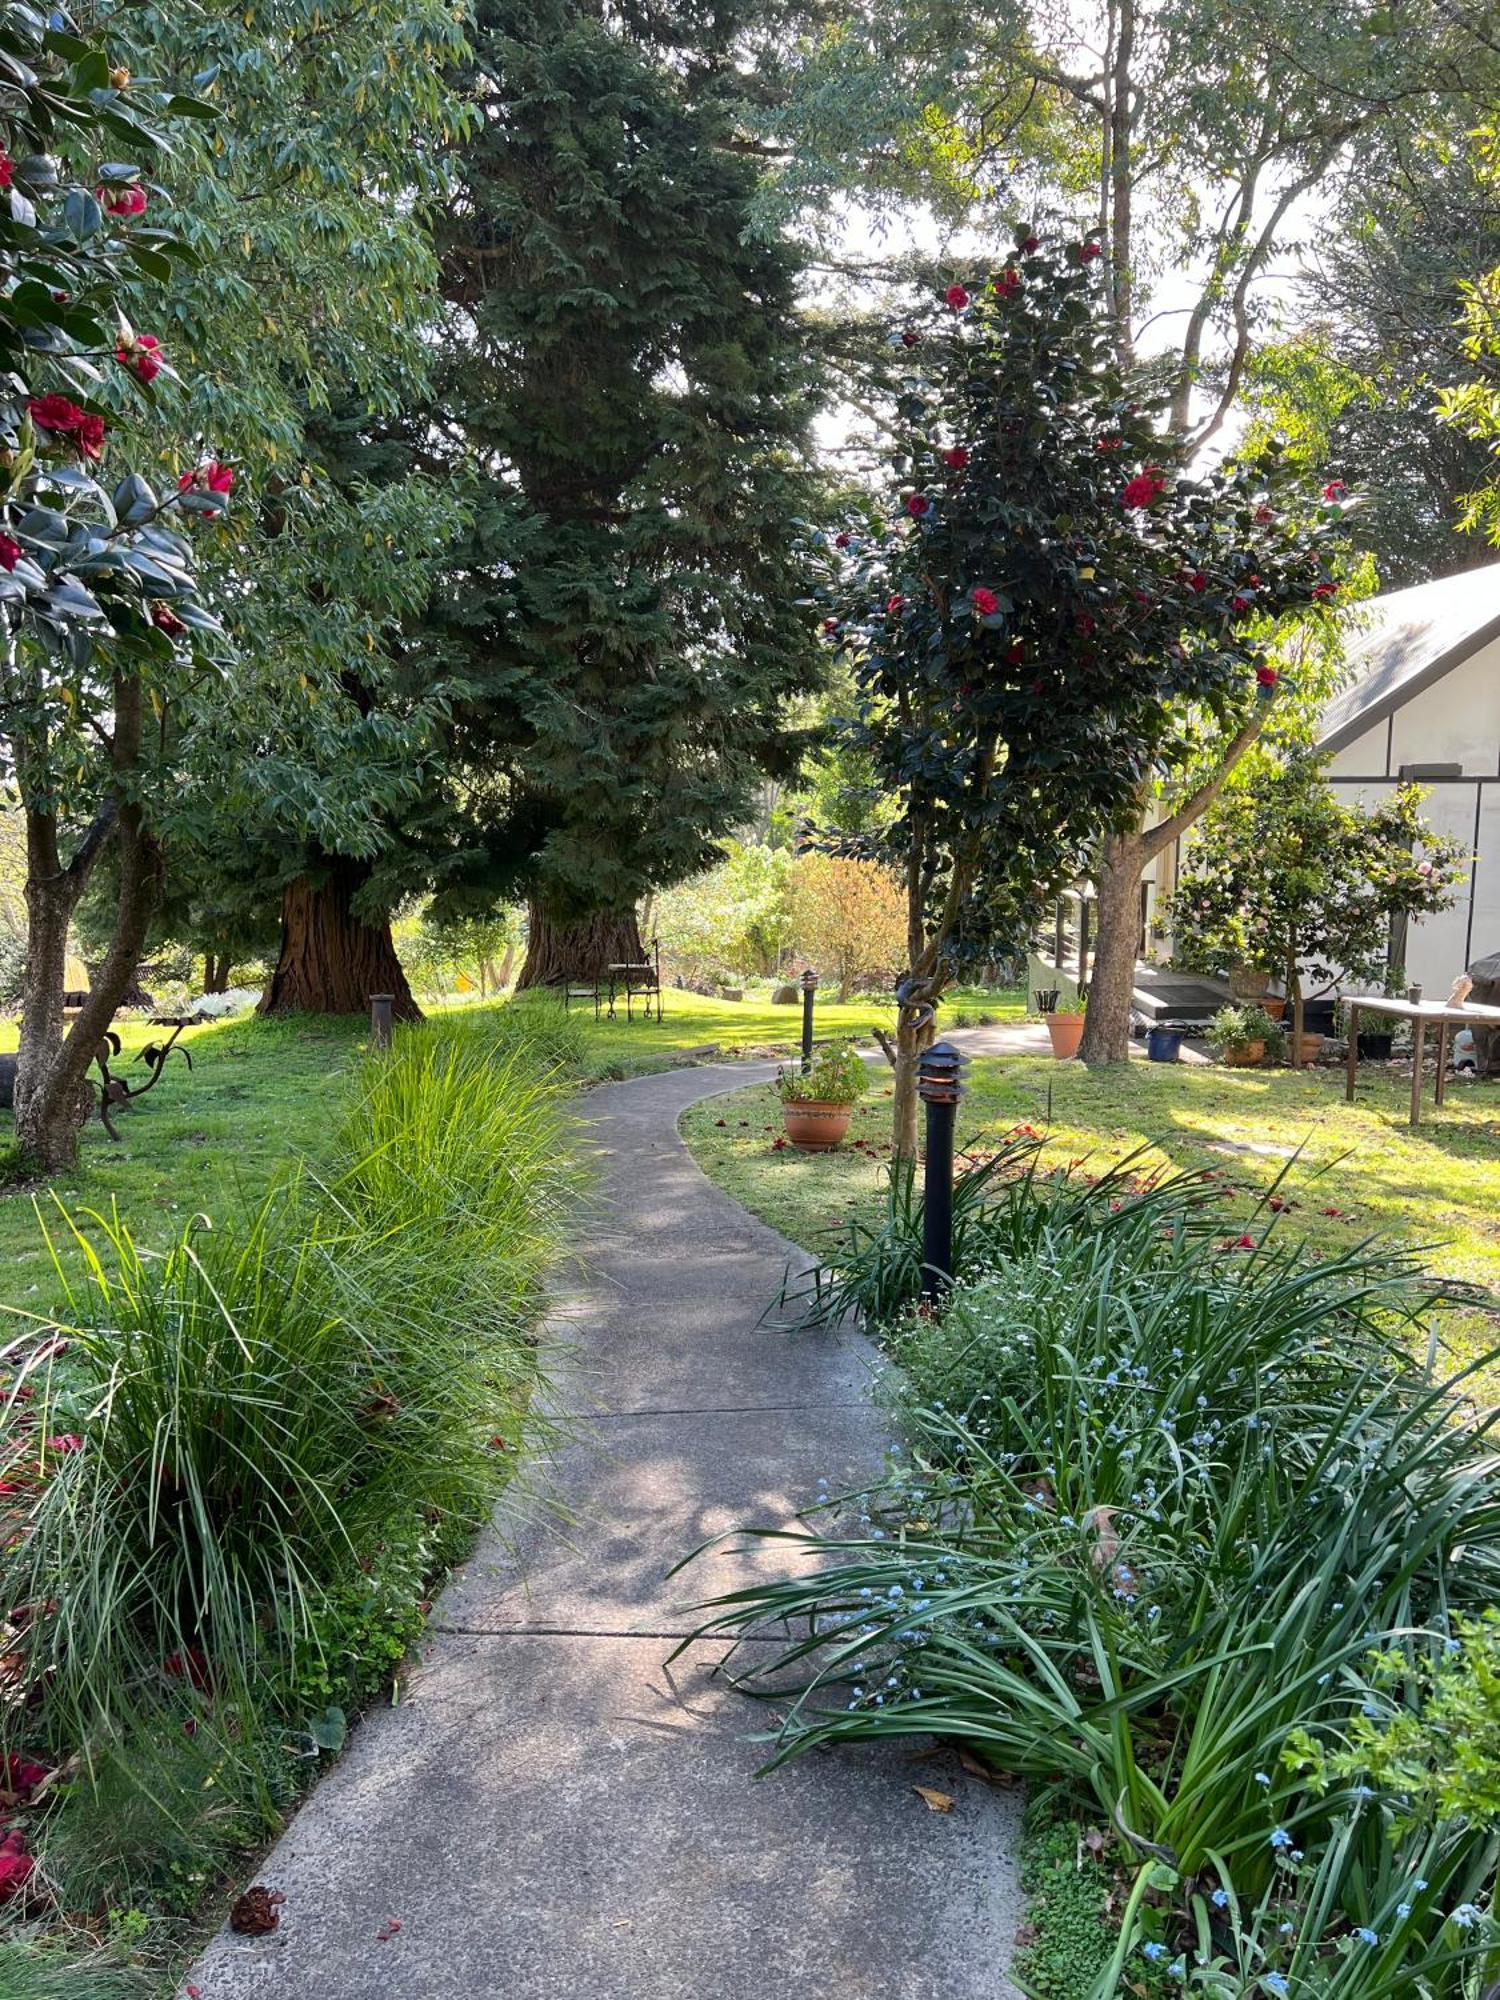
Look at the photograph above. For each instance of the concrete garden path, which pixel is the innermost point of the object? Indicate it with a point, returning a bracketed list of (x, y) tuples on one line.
[(551, 1810)]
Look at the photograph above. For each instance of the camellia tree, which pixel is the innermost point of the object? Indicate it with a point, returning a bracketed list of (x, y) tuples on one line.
[(1286, 878), (99, 603), (1050, 588)]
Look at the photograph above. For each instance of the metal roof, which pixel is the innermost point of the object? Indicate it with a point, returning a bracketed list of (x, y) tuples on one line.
[(1406, 640)]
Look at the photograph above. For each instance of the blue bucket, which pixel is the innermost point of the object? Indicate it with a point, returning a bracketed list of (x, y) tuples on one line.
[(1163, 1044)]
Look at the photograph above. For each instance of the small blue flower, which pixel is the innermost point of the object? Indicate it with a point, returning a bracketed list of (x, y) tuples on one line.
[(1466, 1916), (1262, 1777), (1366, 1935), (1281, 1840), (1275, 1982), (1220, 1899), (1177, 1969), (1403, 1910), (1153, 1951)]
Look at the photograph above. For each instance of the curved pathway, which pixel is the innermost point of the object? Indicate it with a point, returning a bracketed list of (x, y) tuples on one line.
[(553, 1811)]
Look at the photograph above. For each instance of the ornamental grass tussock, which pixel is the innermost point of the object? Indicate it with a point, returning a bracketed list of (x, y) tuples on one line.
[(1178, 1532)]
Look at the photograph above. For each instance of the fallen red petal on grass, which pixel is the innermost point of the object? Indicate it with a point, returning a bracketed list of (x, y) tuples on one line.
[(388, 1930)]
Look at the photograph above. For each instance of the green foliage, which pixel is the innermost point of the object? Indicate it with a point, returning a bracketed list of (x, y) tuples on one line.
[(1236, 1027), (1049, 587), (227, 1486), (623, 360), (1473, 405), (730, 921), (848, 918), (1286, 877), (1067, 1890), (836, 1075), (1159, 1503)]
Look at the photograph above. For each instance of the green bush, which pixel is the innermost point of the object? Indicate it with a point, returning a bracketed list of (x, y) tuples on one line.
[(227, 1480), (1173, 1508)]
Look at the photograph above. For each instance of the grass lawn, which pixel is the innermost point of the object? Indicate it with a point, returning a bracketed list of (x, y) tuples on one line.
[(1361, 1170)]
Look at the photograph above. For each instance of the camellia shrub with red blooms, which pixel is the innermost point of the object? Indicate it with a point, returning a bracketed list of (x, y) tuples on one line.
[(1046, 587), (97, 589)]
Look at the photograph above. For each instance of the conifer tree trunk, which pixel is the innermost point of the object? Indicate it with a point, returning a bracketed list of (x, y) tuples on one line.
[(331, 960), (577, 950)]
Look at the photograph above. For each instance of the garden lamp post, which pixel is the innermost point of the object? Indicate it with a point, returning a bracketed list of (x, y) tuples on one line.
[(940, 1086), (809, 988)]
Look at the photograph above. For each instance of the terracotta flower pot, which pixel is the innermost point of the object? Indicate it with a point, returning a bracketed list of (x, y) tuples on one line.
[(1274, 1005), (1310, 1045), (816, 1125), (1245, 1055), (1066, 1031)]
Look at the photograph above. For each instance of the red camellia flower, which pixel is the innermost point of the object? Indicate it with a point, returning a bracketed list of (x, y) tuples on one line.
[(1198, 582), (984, 601), (1264, 515), (90, 436), (1143, 489), (918, 504), (1031, 243), (15, 1864), (957, 297), (1239, 602), (55, 413), (1084, 623), (165, 619), (1323, 591), (1110, 442), (209, 477), (956, 458), (1015, 653), (1267, 676), (10, 553), (123, 201), (908, 339), (1008, 283), (1089, 251), (70, 1441), (143, 358), (22, 1774), (191, 1666), (895, 604), (841, 541), (1335, 490), (7, 168)]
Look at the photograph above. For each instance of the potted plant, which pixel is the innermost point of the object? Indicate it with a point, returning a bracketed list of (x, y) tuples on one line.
[(816, 1103), (1248, 982), (1238, 1035), (1065, 1025)]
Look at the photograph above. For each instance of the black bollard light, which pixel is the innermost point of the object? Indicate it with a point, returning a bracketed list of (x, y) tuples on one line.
[(809, 988), (940, 1086), (380, 1019)]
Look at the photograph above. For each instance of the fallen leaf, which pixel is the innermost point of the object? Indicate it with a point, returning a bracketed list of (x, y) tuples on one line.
[(388, 1930), (934, 1801)]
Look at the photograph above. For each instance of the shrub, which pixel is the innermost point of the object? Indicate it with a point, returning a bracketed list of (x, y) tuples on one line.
[(849, 918), (1169, 1515), (837, 1075), (226, 1476)]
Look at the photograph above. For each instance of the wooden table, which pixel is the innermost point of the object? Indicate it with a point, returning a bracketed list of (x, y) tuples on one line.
[(1419, 1013)]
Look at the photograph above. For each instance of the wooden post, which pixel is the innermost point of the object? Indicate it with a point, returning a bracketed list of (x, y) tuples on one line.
[(1418, 1050), (1352, 1062), (1083, 942), (1442, 1063)]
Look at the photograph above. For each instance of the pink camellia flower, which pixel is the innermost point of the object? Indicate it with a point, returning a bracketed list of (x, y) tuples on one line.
[(1143, 489), (123, 201), (1424, 867), (956, 458), (957, 297), (16, 1864), (7, 168), (1089, 251), (984, 601), (143, 357), (1335, 490), (10, 552), (1264, 515), (1267, 676), (1008, 283)]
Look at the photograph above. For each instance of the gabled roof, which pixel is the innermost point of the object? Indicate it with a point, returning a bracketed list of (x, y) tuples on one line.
[(1406, 640)]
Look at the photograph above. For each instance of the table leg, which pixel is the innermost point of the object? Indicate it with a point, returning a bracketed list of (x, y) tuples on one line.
[(1352, 1063), (1418, 1051), (1442, 1063)]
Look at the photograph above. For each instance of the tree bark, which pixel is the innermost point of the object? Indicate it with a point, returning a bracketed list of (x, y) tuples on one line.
[(331, 960), (911, 1044), (1117, 880), (216, 969), (563, 951)]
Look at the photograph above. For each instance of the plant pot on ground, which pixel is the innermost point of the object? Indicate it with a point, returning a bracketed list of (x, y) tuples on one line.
[(817, 1103), (1065, 1027), (1241, 1035), (1308, 1046), (1375, 1044)]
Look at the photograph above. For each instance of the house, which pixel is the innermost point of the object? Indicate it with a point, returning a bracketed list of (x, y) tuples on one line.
[(1422, 701)]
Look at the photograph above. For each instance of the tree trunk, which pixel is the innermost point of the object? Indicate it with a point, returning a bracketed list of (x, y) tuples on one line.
[(1294, 989), (331, 960), (1117, 882), (577, 951), (911, 1044), (216, 969), (53, 1097)]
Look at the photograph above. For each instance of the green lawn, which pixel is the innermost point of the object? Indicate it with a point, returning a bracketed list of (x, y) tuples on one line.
[(1361, 1170)]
